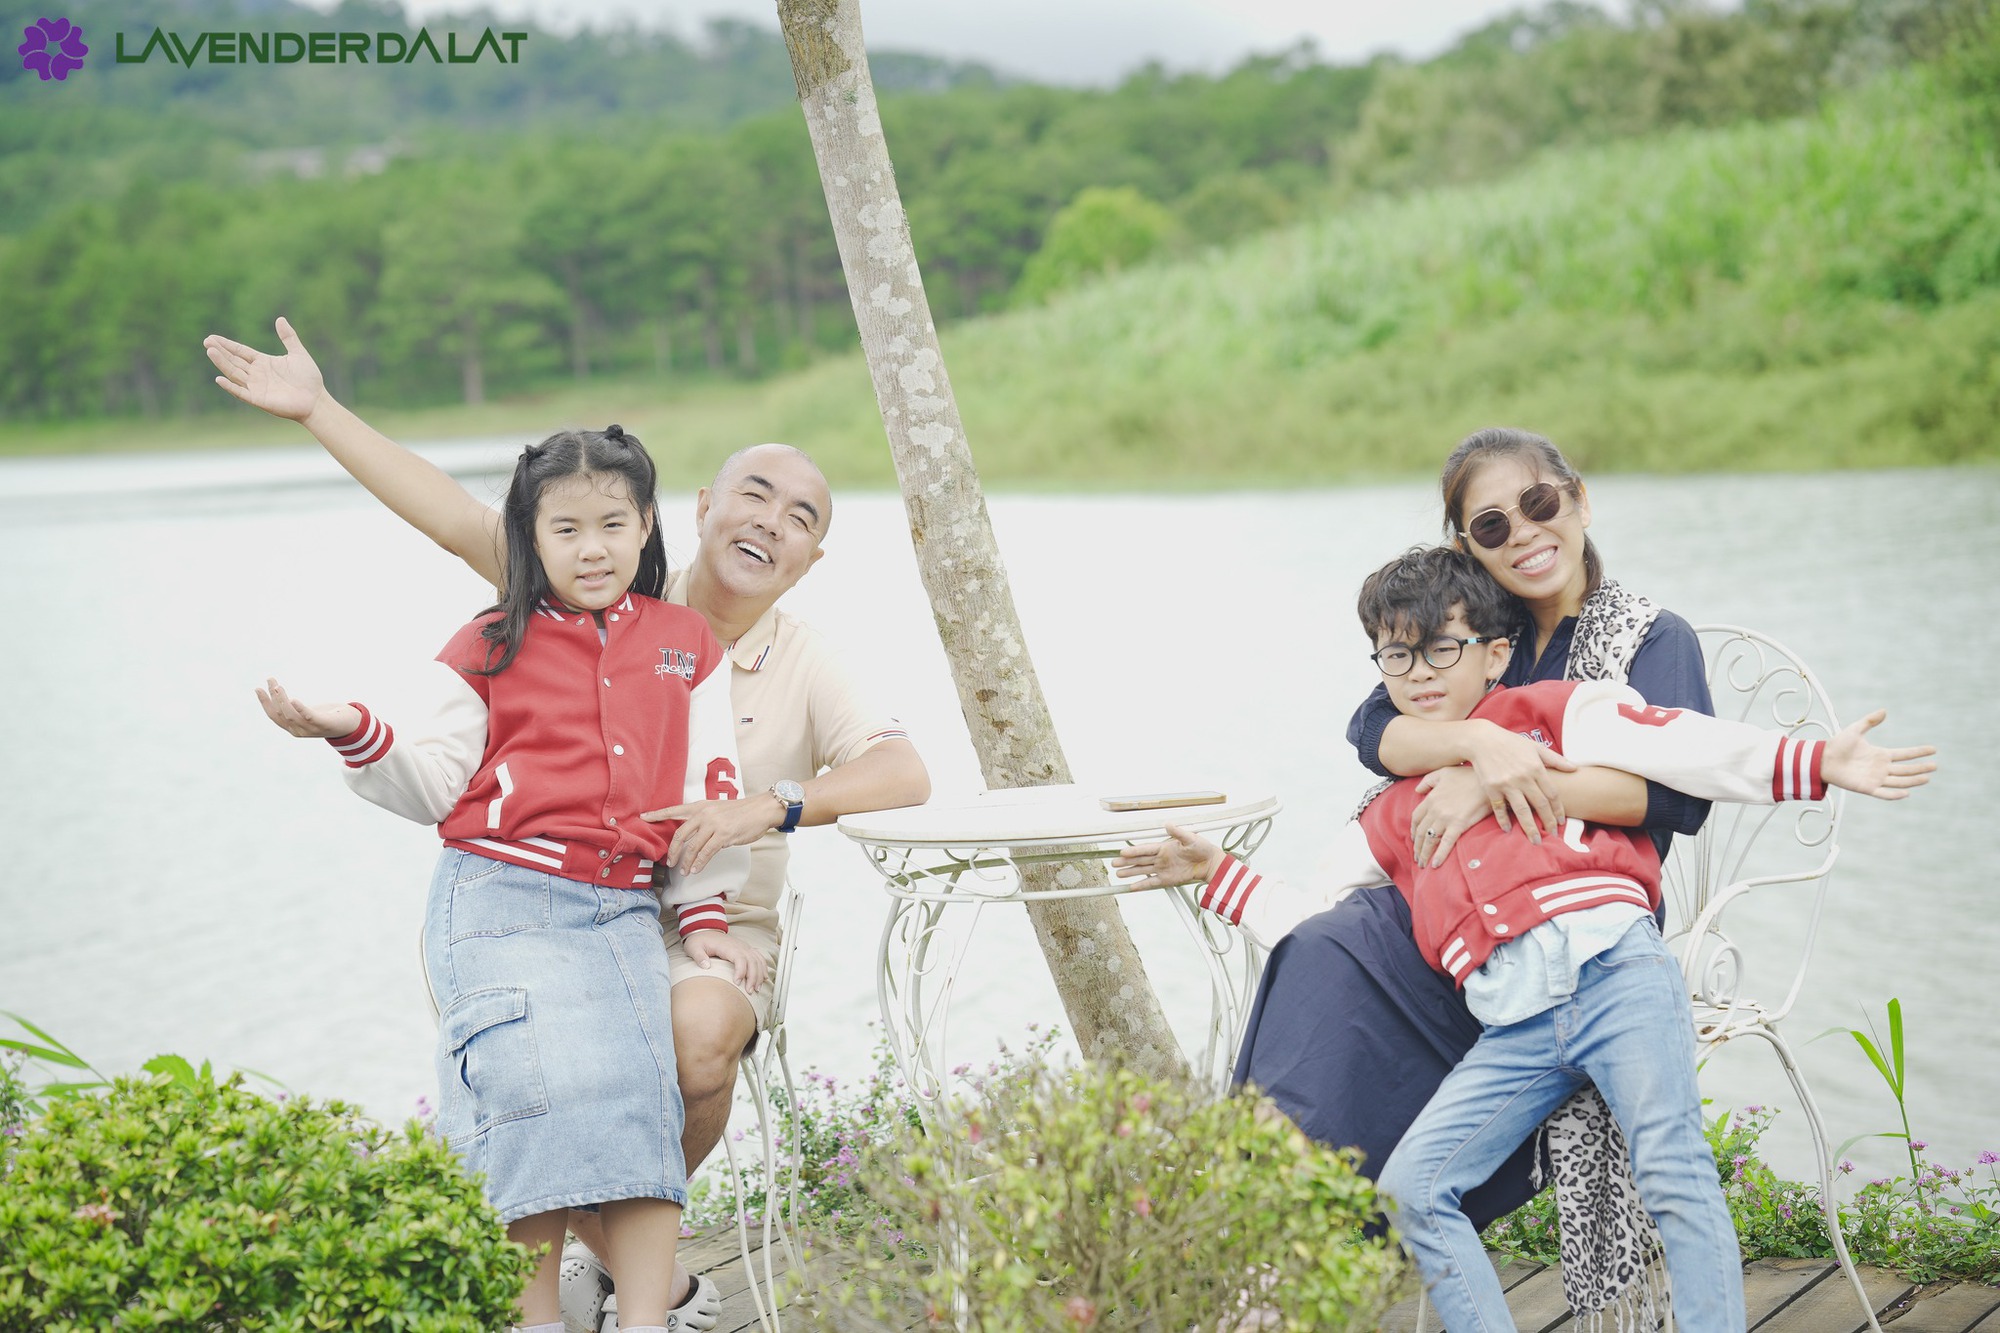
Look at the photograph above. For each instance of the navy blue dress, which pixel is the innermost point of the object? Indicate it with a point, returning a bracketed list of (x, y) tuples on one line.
[(1352, 1030)]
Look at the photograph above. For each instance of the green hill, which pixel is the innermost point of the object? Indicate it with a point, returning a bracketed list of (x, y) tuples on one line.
[(1815, 292)]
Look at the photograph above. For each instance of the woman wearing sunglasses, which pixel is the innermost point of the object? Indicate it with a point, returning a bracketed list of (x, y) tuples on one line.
[(1352, 1031)]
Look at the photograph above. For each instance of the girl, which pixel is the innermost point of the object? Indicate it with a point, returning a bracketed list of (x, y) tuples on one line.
[(568, 709)]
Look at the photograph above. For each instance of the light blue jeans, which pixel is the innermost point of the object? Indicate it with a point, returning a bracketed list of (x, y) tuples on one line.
[(1628, 1030)]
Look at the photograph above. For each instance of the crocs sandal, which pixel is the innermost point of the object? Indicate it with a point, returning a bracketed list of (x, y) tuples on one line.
[(693, 1315), (584, 1288)]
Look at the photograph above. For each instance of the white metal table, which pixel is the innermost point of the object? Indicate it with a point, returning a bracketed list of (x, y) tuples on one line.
[(976, 853)]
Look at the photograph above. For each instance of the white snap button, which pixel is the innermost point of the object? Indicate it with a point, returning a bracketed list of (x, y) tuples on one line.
[(1491, 910), (1501, 928), (602, 854), (1472, 865), (618, 749)]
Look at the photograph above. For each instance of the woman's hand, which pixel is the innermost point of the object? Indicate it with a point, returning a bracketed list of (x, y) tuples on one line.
[(287, 386), (709, 826), (1182, 859), (1513, 771), (323, 721), (1453, 802), (746, 960)]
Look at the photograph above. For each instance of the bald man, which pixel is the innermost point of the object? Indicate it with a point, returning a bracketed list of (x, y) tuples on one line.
[(811, 746)]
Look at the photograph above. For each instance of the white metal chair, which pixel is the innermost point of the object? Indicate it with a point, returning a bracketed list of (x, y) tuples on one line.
[(1746, 851), (781, 1178)]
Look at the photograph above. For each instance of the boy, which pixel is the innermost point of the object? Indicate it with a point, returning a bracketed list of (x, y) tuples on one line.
[(1555, 943)]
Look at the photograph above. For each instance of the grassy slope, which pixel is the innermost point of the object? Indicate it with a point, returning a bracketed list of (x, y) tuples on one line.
[(1794, 295)]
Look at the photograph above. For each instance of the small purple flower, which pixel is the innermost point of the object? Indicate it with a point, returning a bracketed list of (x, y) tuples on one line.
[(1918, 1145), (53, 48), (1846, 1167), (1989, 1157), (1753, 1109)]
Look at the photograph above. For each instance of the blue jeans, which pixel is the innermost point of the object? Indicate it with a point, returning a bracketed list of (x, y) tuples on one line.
[(1627, 1029)]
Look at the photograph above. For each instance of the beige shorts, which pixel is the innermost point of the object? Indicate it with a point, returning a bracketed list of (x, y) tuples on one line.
[(680, 967)]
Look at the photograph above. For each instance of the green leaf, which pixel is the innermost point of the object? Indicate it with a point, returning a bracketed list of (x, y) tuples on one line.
[(1896, 1039), (176, 1069), (1875, 1058), (63, 1058)]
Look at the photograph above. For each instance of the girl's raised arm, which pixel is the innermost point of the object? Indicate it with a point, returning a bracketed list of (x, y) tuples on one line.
[(416, 490)]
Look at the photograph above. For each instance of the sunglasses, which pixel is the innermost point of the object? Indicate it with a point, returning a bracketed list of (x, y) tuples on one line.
[(1491, 527)]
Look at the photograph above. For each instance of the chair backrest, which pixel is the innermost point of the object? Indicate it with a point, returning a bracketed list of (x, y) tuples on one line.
[(1744, 895)]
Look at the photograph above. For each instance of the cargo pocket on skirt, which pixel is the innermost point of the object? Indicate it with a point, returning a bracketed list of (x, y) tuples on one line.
[(489, 1040)]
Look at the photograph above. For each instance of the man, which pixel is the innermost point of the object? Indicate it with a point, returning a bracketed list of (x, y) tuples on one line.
[(811, 747)]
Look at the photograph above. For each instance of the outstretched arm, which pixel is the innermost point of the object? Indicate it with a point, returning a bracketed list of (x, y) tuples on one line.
[(1267, 908), (1733, 761), (417, 491)]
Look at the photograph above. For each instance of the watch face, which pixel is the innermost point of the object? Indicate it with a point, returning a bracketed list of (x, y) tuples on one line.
[(791, 793)]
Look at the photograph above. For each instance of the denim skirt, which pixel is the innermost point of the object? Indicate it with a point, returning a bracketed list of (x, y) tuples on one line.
[(555, 1054)]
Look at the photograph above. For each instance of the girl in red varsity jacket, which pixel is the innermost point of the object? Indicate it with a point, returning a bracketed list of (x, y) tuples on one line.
[(578, 702)]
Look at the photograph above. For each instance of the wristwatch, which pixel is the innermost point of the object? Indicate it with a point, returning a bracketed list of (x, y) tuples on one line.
[(794, 797)]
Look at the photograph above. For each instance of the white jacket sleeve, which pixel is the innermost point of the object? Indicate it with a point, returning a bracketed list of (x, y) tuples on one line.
[(419, 775), (1269, 909), (1610, 725), (712, 774)]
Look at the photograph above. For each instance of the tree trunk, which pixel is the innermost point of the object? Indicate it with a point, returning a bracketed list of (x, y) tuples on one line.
[(711, 336), (471, 370), (663, 345), (1110, 1004)]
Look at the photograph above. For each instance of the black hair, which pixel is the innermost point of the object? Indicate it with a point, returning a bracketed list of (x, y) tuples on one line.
[(1415, 594), (1538, 451), (568, 453)]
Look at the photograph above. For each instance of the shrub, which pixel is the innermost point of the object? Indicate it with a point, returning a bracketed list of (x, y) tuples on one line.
[(1100, 231), (1101, 1198), (176, 1203)]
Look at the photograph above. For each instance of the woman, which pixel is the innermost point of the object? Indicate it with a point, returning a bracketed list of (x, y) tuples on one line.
[(1352, 1031)]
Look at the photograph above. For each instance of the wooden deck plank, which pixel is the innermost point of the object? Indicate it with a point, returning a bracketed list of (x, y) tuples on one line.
[(1953, 1310), (1402, 1316), (1771, 1284), (1539, 1304), (1830, 1305), (1781, 1295)]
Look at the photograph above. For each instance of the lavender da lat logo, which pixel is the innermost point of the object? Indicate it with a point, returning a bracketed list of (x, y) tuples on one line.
[(53, 48)]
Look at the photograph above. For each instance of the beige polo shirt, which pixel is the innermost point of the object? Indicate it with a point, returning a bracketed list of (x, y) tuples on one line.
[(798, 710)]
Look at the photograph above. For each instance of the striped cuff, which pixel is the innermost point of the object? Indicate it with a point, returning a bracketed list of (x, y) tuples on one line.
[(1795, 774), (367, 742), (1228, 890), (703, 915)]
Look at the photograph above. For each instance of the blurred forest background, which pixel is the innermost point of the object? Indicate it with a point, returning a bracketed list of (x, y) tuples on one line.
[(1677, 238)]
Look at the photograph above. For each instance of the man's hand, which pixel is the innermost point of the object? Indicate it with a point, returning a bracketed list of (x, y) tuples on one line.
[(324, 721), (1858, 764), (745, 960), (286, 386), (1514, 773), (709, 826), (1182, 859), (1454, 802)]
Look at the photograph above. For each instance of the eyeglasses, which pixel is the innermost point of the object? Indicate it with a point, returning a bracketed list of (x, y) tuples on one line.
[(1398, 658), (1491, 527)]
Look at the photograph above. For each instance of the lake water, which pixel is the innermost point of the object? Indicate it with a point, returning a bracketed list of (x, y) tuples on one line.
[(186, 878)]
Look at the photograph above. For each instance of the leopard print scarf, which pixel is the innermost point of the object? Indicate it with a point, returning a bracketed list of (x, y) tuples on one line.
[(1611, 1254)]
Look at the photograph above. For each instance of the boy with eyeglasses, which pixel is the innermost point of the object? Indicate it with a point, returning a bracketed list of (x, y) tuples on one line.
[(1554, 943)]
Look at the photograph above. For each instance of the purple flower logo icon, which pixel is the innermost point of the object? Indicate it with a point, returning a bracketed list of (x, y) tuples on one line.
[(54, 48)]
